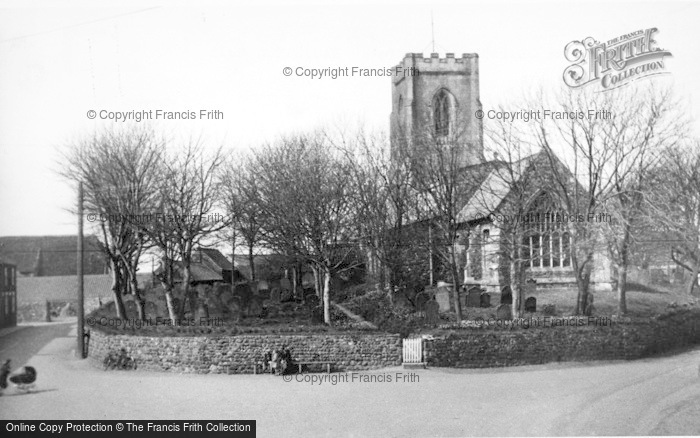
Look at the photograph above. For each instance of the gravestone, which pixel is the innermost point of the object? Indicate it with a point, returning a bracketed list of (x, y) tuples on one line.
[(474, 297), (307, 280), (442, 296), (275, 295), (264, 294), (234, 308), (255, 307), (530, 287), (215, 307), (432, 309), (309, 291), (272, 311), (285, 284), (131, 312), (312, 300), (286, 295), (503, 312), (202, 310), (485, 300), (151, 309), (531, 304), (506, 295), (262, 286), (549, 309), (421, 299), (244, 294)]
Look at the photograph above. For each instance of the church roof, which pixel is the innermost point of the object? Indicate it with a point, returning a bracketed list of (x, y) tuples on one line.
[(488, 195)]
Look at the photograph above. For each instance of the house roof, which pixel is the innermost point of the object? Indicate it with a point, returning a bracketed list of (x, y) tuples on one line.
[(199, 273), (269, 262), (52, 255), (218, 258), (207, 265)]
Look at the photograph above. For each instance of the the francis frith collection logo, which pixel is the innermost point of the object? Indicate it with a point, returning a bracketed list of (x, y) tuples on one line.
[(616, 62)]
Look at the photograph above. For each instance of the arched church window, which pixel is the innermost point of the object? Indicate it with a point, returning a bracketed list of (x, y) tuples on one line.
[(546, 241), (441, 113)]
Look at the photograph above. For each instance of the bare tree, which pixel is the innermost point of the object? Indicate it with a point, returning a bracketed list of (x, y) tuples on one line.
[(507, 195), (602, 148), (115, 169), (674, 206), (643, 123), (578, 153), (190, 195), (305, 194), (240, 196), (383, 202), (440, 180)]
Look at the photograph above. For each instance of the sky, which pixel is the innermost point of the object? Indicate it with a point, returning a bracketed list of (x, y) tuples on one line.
[(60, 60)]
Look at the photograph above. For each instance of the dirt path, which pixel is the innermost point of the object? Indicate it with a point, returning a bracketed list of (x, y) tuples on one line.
[(353, 316)]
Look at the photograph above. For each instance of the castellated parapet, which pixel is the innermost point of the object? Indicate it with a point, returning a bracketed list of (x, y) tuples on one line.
[(416, 83)]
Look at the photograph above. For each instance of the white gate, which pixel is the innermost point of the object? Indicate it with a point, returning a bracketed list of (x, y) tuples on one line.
[(413, 350)]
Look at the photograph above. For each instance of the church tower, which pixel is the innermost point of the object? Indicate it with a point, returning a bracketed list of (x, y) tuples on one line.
[(437, 98)]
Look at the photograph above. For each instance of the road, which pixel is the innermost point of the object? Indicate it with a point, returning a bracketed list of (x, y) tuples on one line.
[(25, 341), (652, 396)]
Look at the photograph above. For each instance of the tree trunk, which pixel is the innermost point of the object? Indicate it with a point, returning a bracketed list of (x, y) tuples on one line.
[(516, 286), (455, 283), (317, 282), (130, 268), (116, 291), (622, 289), (251, 261), (693, 279), (622, 271), (327, 296), (186, 293), (583, 278), (140, 304), (172, 312)]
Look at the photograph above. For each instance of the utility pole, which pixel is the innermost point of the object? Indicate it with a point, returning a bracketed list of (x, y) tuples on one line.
[(80, 353)]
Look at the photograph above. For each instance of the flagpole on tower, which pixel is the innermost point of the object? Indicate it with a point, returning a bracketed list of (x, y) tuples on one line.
[(432, 31)]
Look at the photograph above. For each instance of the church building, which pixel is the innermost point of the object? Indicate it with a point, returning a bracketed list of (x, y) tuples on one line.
[(441, 97)]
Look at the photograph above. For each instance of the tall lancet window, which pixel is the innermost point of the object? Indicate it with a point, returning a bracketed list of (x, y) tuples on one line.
[(441, 113), (546, 240)]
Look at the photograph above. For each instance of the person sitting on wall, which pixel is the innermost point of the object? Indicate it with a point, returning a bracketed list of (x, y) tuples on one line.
[(275, 362), (267, 361), (286, 361)]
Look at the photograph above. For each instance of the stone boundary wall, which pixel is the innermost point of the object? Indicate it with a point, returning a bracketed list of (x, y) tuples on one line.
[(490, 347), (470, 347), (237, 354)]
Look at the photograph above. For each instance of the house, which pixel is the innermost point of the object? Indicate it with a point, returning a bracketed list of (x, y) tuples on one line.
[(8, 293), (208, 266), (45, 256)]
